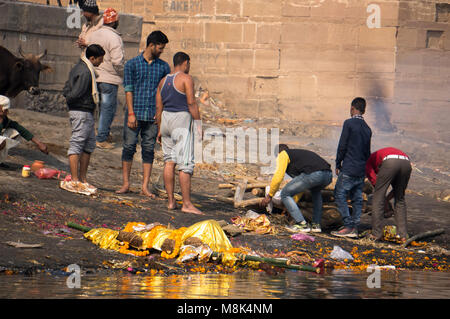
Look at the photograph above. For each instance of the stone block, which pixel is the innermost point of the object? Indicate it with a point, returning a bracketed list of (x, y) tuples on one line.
[(342, 35), (209, 61), (389, 13), (336, 85), (255, 8), (295, 8), (289, 87), (223, 32), (268, 107), (407, 38), (240, 60), (267, 59), (249, 33), (375, 61), (268, 33), (304, 33), (231, 7), (294, 59), (265, 86), (336, 61), (330, 9), (298, 86), (377, 37)]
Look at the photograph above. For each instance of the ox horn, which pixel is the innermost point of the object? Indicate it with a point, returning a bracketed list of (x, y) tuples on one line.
[(40, 56)]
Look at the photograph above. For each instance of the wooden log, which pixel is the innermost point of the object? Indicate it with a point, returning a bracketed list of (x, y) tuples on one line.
[(248, 202), (258, 192), (224, 186), (330, 216), (426, 234), (248, 186), (240, 192)]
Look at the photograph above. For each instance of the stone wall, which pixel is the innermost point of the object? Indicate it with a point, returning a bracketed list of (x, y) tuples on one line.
[(422, 77), (38, 27), (307, 59)]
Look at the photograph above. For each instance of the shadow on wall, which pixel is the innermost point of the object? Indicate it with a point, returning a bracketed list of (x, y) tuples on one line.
[(378, 105)]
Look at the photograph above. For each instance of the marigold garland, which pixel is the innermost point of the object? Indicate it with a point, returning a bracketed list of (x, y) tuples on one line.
[(149, 237), (124, 250), (130, 226), (176, 235)]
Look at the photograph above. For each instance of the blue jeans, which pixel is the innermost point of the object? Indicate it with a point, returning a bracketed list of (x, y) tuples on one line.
[(349, 186), (108, 106), (148, 131), (313, 182)]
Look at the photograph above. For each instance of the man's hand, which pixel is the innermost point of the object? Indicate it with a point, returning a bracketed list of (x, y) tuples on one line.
[(158, 138), (81, 43), (132, 122), (265, 201), (42, 147), (337, 171)]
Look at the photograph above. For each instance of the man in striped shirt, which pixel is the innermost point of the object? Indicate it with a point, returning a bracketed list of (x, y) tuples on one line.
[(142, 75)]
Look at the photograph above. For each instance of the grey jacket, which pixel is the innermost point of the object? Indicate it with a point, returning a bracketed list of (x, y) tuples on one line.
[(78, 89)]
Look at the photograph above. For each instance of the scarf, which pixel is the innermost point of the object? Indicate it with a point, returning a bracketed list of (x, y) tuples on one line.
[(90, 66)]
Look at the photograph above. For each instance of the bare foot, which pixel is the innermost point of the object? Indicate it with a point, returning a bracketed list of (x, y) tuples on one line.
[(147, 193), (125, 189), (191, 209), (173, 205)]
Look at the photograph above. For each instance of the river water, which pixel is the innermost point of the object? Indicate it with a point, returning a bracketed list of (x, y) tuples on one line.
[(239, 285)]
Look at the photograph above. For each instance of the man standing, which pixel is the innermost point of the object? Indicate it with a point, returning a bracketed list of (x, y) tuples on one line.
[(110, 73), (94, 21), (141, 79), (176, 110), (352, 154), (310, 172), (82, 98), (389, 166)]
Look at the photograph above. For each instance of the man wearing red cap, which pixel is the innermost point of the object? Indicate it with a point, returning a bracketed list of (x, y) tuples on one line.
[(109, 73)]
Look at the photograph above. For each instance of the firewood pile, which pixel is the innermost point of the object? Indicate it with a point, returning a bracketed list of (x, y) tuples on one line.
[(246, 191)]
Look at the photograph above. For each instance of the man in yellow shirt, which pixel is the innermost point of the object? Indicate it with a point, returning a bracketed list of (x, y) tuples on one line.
[(310, 172)]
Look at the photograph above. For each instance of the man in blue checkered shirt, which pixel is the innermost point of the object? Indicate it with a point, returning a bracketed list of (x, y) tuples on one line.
[(142, 75)]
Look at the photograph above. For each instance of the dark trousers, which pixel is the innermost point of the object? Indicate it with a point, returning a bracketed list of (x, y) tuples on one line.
[(395, 172)]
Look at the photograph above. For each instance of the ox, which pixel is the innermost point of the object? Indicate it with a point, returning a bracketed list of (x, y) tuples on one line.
[(18, 74)]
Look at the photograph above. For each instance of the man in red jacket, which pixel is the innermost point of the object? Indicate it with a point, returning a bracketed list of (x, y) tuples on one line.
[(388, 166)]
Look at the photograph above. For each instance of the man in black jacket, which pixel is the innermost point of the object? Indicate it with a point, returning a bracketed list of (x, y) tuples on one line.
[(352, 154), (82, 98)]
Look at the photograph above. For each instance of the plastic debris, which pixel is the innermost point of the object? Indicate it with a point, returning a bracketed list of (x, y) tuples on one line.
[(340, 254), (47, 173), (301, 236)]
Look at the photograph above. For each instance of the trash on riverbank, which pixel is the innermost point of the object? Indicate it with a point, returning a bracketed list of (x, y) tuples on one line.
[(301, 236), (340, 254)]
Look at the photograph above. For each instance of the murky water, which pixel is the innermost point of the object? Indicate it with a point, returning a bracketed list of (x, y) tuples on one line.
[(337, 284)]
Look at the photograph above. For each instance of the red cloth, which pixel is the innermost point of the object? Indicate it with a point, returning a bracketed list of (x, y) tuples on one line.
[(376, 158)]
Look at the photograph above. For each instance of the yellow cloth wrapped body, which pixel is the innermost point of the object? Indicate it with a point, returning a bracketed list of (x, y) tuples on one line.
[(208, 231)]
